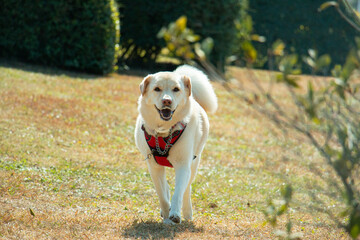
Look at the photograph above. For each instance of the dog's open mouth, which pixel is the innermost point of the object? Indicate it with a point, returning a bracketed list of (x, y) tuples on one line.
[(165, 113)]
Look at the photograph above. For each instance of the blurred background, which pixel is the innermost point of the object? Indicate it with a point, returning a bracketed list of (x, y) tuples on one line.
[(103, 36)]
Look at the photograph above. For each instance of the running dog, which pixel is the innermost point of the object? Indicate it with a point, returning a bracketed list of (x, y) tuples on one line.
[(171, 131)]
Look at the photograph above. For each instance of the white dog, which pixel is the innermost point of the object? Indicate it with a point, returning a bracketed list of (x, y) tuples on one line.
[(171, 131)]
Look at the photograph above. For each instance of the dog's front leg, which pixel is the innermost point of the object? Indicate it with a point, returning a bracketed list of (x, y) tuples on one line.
[(158, 177), (187, 208), (182, 178)]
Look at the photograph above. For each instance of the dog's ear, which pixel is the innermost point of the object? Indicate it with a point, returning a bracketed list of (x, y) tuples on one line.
[(187, 84), (144, 84)]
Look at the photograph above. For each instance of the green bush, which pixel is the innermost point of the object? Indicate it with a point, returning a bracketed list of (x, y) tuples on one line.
[(142, 20), (76, 34), (326, 113), (301, 26)]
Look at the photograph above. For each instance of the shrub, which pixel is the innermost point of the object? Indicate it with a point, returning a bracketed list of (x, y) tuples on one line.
[(327, 115), (301, 26), (183, 45), (142, 20), (80, 35)]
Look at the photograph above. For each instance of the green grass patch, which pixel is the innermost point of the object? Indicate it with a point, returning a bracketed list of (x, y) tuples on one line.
[(67, 153)]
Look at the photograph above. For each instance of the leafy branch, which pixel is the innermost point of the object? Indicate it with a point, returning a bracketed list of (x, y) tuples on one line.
[(326, 114)]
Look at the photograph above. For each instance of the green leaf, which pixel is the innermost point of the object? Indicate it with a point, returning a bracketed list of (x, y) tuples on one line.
[(323, 61), (309, 61), (249, 51), (310, 92), (316, 120), (287, 63), (171, 46), (167, 36), (181, 23), (199, 51), (312, 53), (286, 79), (326, 5), (357, 40), (192, 38), (355, 231), (293, 58), (278, 48), (345, 213), (296, 71), (279, 77), (207, 45), (258, 38), (31, 212), (291, 81), (161, 33), (289, 227), (286, 192), (336, 72), (282, 210)]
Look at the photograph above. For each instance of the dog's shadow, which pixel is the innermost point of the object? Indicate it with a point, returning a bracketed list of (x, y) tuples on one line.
[(156, 230)]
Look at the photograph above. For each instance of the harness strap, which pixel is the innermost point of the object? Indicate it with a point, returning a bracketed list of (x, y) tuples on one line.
[(161, 158)]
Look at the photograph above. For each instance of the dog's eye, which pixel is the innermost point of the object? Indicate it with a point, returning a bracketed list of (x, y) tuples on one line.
[(157, 89), (176, 89)]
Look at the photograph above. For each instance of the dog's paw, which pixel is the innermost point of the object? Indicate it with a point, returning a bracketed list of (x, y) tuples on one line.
[(175, 218), (164, 214), (188, 216), (187, 212), (168, 221)]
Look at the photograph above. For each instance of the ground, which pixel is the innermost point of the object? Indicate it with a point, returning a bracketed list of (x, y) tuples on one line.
[(69, 168)]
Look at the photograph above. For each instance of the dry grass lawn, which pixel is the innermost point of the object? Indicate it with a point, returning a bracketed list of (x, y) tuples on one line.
[(69, 168)]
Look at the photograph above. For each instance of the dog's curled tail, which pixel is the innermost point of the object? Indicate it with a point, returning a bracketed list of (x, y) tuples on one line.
[(201, 87)]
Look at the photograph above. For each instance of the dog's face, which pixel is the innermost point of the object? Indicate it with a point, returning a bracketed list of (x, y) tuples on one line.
[(165, 92)]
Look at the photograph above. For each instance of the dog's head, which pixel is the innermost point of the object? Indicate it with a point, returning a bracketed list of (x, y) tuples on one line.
[(165, 93)]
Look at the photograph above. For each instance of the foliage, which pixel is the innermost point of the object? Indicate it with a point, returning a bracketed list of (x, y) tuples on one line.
[(244, 52), (328, 109), (183, 44), (142, 20), (301, 26), (80, 35), (345, 10), (274, 211), (327, 114)]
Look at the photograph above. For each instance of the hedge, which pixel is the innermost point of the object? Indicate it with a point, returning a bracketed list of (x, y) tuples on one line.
[(301, 26), (142, 20), (77, 34)]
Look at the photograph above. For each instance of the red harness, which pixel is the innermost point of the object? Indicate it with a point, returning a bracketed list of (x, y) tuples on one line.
[(164, 144)]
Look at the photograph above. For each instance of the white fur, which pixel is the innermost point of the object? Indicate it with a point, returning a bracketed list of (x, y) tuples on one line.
[(201, 87), (192, 141)]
